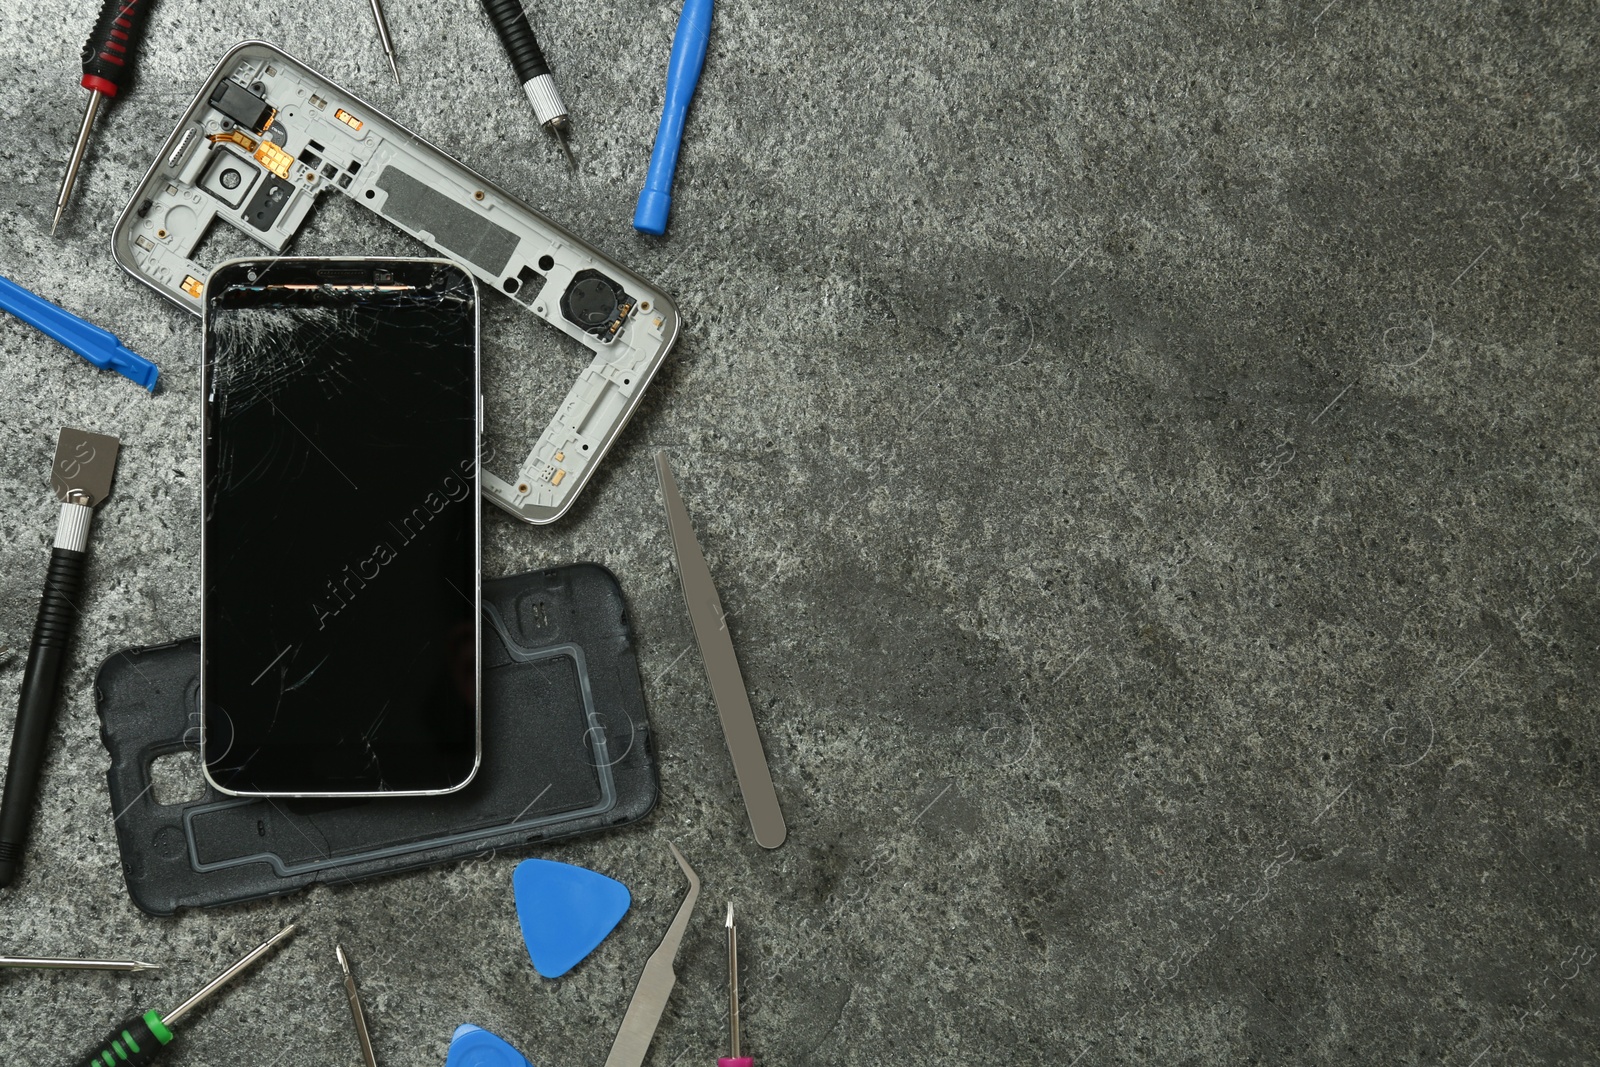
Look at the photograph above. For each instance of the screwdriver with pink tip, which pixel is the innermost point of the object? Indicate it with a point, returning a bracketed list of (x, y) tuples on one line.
[(733, 1059)]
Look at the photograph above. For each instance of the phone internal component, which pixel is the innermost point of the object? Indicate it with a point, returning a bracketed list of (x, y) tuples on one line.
[(270, 155), (274, 159), (596, 303), (193, 286), (527, 287), (242, 106), (230, 176), (466, 234), (243, 140), (348, 119), (181, 149), (269, 203)]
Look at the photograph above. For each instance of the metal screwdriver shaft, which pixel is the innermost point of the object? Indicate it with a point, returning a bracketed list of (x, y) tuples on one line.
[(138, 1041), (383, 35), (227, 976), (107, 61), (77, 965), (76, 159), (354, 996), (733, 1059)]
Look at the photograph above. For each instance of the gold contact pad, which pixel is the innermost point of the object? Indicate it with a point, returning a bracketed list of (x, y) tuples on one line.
[(274, 159), (266, 153)]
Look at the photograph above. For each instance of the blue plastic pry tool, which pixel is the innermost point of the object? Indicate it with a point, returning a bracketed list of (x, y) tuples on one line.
[(473, 1046), (565, 912), (683, 74), (94, 344)]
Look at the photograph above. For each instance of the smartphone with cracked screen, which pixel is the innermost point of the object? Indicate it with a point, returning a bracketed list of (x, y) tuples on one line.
[(340, 558)]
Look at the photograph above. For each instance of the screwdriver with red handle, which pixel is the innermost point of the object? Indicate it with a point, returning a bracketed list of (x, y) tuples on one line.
[(107, 63)]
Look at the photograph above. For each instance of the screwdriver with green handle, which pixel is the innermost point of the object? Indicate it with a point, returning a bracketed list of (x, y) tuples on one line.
[(140, 1040)]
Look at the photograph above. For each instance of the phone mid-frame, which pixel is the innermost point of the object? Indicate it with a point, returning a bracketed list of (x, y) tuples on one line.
[(340, 559)]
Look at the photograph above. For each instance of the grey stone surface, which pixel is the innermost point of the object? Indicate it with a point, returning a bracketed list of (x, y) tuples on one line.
[(1148, 455)]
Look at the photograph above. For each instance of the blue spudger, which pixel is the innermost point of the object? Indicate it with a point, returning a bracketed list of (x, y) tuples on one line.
[(683, 74), (98, 346)]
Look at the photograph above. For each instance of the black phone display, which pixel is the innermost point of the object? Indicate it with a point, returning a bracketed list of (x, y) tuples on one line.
[(340, 545)]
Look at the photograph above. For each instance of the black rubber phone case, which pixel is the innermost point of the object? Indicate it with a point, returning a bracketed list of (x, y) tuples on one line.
[(567, 750)]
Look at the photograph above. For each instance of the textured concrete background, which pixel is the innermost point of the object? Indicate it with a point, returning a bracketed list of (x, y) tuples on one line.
[(1147, 452)]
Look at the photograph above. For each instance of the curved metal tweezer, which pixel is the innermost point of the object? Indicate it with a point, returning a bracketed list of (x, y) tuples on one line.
[(655, 984)]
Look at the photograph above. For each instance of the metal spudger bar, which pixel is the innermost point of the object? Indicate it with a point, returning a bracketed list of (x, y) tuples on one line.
[(655, 984), (77, 965), (722, 669)]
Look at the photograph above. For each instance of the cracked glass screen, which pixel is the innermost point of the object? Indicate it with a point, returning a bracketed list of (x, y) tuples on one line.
[(339, 634)]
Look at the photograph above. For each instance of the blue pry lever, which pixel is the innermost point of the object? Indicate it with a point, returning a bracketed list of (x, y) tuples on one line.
[(565, 912), (94, 344), (473, 1046), (683, 75)]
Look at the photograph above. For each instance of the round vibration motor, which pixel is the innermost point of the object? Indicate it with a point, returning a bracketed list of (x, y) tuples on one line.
[(592, 302), (596, 304)]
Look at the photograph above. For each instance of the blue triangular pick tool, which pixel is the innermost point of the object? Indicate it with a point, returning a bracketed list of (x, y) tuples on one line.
[(565, 912), (473, 1046)]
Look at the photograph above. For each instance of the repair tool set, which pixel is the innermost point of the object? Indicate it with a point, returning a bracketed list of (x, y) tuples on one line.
[(262, 140)]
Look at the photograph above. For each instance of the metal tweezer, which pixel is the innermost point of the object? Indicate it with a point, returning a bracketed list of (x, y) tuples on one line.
[(655, 984), (722, 669)]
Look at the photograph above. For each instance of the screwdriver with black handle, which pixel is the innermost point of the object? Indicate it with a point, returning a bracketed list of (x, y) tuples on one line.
[(527, 59), (81, 476), (139, 1040), (107, 62)]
